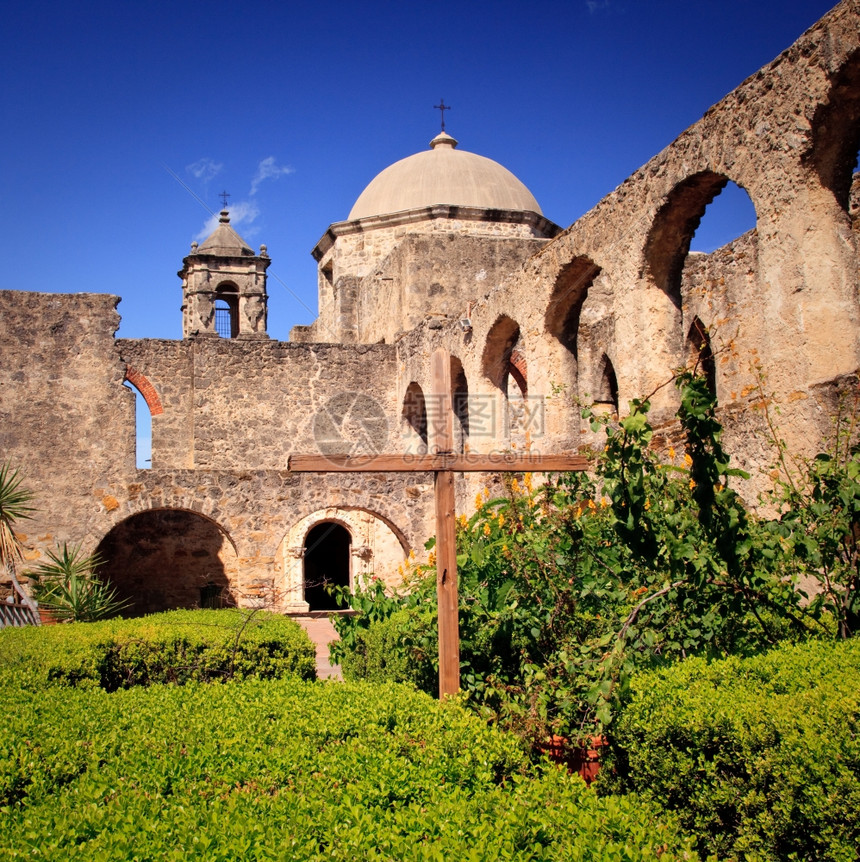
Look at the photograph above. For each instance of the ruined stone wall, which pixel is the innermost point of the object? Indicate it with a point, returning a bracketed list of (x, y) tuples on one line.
[(66, 420), (233, 404), (618, 288)]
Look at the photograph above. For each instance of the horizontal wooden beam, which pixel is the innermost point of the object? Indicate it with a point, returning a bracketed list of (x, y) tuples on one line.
[(467, 463)]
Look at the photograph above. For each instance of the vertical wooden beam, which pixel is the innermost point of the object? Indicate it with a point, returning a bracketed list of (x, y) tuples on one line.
[(446, 536)]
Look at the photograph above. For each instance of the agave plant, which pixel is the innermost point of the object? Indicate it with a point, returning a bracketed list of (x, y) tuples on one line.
[(14, 506), (68, 584)]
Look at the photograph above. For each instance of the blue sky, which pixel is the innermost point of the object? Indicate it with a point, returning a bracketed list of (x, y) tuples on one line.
[(116, 112)]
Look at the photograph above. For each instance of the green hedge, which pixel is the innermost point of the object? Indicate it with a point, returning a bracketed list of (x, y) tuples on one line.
[(177, 647), (389, 650), (272, 770), (760, 757)]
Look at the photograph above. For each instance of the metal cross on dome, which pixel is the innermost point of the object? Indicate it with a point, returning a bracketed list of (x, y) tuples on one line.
[(442, 107), (224, 197)]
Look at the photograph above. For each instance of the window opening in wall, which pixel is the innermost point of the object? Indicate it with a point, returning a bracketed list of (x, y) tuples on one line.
[(227, 311), (606, 397), (730, 215), (211, 596), (327, 564), (142, 430)]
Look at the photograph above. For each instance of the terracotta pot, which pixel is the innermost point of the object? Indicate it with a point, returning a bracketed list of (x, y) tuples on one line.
[(48, 617), (584, 760)]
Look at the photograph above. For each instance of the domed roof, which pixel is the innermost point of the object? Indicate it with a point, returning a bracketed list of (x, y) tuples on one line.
[(443, 175)]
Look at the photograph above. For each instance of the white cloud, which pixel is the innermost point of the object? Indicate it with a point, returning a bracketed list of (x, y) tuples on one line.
[(597, 5), (241, 213), (268, 170), (204, 169)]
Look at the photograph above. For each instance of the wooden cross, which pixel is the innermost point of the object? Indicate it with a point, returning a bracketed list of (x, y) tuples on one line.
[(443, 464)]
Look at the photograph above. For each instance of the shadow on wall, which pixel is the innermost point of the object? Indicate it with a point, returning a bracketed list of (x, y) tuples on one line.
[(169, 558)]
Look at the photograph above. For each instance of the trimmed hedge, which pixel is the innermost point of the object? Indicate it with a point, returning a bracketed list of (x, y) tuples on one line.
[(760, 757), (272, 770), (175, 647)]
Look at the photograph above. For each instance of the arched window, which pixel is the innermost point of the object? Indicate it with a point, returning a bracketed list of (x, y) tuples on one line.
[(227, 310), (327, 565)]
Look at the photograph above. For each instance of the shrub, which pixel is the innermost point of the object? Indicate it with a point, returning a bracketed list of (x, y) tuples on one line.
[(760, 756), (176, 646), (271, 770)]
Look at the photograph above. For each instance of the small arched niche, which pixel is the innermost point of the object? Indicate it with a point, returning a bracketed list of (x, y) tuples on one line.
[(504, 365), (700, 356), (460, 405), (414, 420), (606, 390)]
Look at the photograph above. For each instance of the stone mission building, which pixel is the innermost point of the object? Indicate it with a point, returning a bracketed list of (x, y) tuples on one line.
[(444, 248)]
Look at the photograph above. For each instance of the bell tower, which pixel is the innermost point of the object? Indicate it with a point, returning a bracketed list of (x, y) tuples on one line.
[(224, 286)]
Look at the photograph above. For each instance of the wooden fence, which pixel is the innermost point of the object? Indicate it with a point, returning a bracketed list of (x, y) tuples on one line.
[(16, 614)]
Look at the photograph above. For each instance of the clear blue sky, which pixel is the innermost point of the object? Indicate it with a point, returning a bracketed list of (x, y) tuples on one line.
[(294, 107)]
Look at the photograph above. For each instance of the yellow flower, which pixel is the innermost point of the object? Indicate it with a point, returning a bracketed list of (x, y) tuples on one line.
[(592, 505), (486, 529), (501, 520), (515, 486), (647, 505), (431, 560), (527, 479), (578, 511), (479, 500), (412, 555), (692, 484), (603, 502), (464, 521), (671, 451), (688, 461), (486, 493)]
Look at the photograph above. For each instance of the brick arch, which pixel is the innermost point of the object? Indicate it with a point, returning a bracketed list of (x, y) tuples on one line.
[(146, 389), (678, 217), (836, 131)]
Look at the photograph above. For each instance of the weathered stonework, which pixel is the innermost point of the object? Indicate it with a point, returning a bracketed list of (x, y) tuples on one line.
[(534, 319)]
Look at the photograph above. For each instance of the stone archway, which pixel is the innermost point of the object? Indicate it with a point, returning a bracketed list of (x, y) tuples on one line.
[(163, 559), (327, 565), (376, 549)]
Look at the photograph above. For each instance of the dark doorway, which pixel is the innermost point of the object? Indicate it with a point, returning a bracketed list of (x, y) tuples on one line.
[(166, 559), (327, 548)]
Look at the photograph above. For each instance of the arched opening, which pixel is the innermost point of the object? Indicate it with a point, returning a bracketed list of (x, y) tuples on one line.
[(606, 392), (460, 405), (142, 429), (414, 418), (699, 353), (227, 310), (730, 215), (836, 132), (326, 565), (169, 558), (146, 405), (566, 301), (677, 221)]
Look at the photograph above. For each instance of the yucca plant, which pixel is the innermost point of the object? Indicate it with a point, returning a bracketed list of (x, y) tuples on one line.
[(68, 584), (14, 506)]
